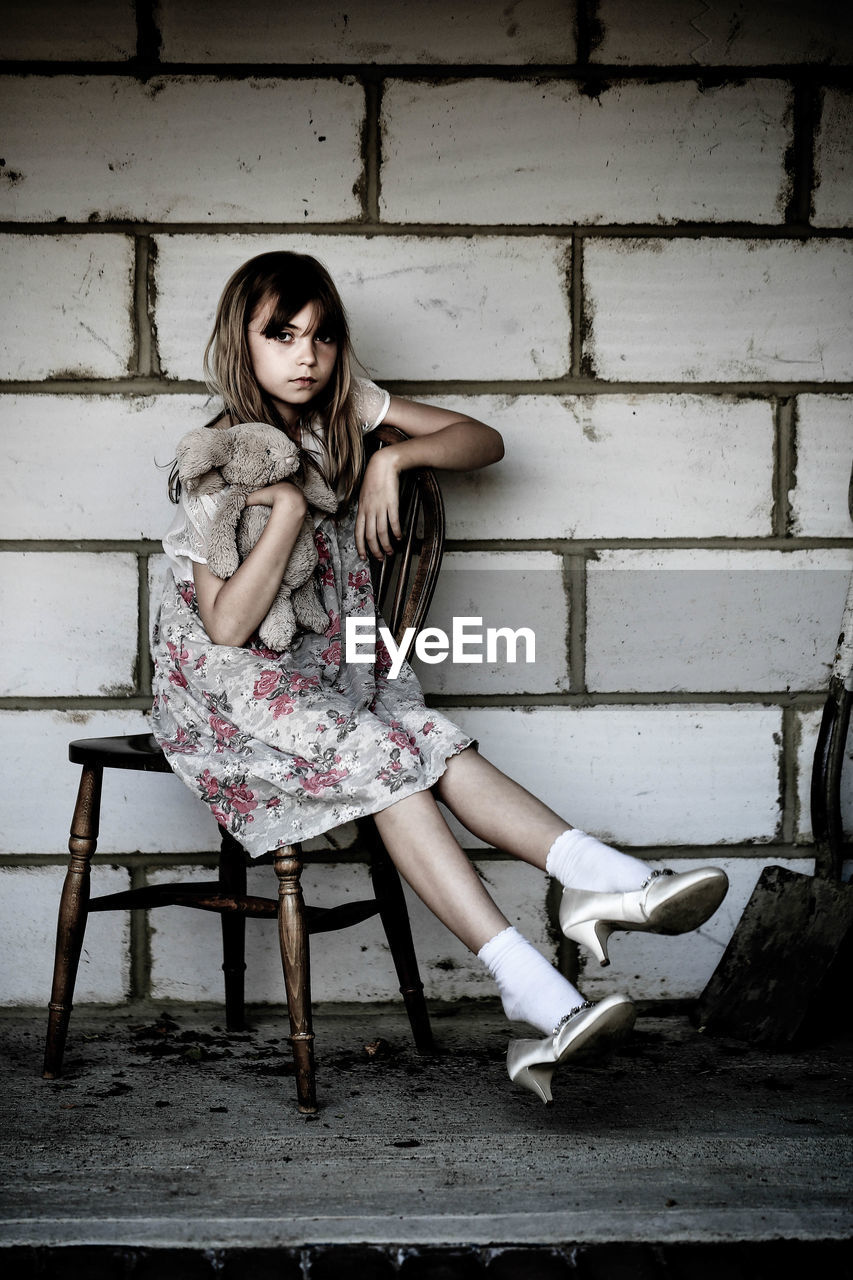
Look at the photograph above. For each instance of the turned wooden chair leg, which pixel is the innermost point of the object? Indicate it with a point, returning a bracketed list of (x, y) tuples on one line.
[(73, 913), (395, 919), (293, 937), (232, 879)]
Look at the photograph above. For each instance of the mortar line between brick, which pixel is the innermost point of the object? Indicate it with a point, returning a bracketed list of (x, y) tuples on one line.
[(788, 775), (800, 804), (559, 546), (576, 307), (805, 699), (806, 119), (575, 579), (145, 365), (783, 478), (140, 938), (441, 230), (143, 658), (148, 60), (570, 386), (586, 20), (148, 40), (372, 151), (209, 859)]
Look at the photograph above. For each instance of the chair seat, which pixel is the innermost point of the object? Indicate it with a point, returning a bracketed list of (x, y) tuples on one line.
[(136, 751)]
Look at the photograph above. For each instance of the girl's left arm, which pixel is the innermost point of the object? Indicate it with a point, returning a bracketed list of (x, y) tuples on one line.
[(438, 438)]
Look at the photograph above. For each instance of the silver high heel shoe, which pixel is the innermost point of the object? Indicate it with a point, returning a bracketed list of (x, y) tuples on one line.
[(587, 1031), (668, 902)]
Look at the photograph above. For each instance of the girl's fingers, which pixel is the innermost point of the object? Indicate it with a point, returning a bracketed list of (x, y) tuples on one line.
[(376, 529), (372, 537), (385, 535), (359, 536), (377, 543), (394, 521)]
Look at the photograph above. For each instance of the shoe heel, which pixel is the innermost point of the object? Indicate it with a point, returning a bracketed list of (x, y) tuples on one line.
[(538, 1081), (592, 934)]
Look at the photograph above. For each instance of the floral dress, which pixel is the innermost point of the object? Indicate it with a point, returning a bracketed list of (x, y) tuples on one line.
[(285, 746)]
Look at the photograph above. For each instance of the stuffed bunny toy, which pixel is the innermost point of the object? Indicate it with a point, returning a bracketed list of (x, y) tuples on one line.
[(249, 456)]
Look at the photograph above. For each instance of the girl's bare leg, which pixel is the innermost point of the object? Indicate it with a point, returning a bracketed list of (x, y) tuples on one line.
[(428, 856), (505, 815), (498, 810)]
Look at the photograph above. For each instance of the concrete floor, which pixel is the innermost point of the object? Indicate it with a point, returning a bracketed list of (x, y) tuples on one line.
[(168, 1132)]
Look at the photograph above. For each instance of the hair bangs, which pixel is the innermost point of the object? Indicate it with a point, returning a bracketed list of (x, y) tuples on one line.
[(288, 293)]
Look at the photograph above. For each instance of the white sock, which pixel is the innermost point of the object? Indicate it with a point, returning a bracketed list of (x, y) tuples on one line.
[(580, 861), (531, 989)]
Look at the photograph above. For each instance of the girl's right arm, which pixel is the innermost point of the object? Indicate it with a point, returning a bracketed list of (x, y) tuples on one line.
[(232, 609)]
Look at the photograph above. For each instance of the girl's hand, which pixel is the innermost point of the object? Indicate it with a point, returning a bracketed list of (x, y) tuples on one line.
[(378, 515), (284, 493), (232, 609)]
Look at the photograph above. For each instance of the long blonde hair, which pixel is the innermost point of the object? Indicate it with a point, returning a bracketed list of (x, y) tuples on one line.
[(289, 282)]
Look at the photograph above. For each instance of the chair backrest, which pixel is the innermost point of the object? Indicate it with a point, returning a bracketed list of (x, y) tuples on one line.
[(409, 575)]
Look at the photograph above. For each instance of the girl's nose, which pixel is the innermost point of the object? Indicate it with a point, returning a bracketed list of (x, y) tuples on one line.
[(307, 354)]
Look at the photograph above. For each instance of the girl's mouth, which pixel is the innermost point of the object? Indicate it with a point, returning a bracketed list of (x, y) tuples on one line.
[(304, 382)]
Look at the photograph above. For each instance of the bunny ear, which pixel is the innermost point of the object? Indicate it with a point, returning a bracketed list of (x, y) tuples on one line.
[(201, 451), (316, 488)]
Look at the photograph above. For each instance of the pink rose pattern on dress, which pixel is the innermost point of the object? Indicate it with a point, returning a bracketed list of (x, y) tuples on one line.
[(185, 741), (231, 803), (325, 570), (361, 589), (395, 774), (285, 746)]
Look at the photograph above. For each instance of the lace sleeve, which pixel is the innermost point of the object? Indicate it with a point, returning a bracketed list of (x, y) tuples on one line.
[(371, 403), (186, 542)]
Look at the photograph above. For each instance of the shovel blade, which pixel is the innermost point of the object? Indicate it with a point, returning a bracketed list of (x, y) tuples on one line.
[(781, 979)]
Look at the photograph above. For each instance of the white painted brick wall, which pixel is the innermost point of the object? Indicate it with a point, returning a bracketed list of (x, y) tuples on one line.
[(720, 310), (726, 621), (148, 813), (611, 466), (740, 33), (503, 589), (833, 199), (808, 726), (65, 306), (449, 307), (653, 967), (574, 467), (68, 624), (96, 30), (29, 903), (219, 154), (115, 148), (642, 775), (353, 964), (488, 151), (442, 31), (819, 505), (123, 439)]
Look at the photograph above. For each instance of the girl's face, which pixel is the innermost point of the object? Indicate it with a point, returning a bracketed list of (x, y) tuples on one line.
[(292, 366)]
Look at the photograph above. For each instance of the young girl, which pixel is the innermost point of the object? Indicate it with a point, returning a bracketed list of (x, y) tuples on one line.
[(284, 746)]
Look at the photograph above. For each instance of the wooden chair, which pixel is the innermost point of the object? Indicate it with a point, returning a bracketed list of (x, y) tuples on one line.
[(408, 579)]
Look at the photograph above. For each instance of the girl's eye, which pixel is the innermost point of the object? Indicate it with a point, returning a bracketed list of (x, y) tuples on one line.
[(284, 336), (327, 339)]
